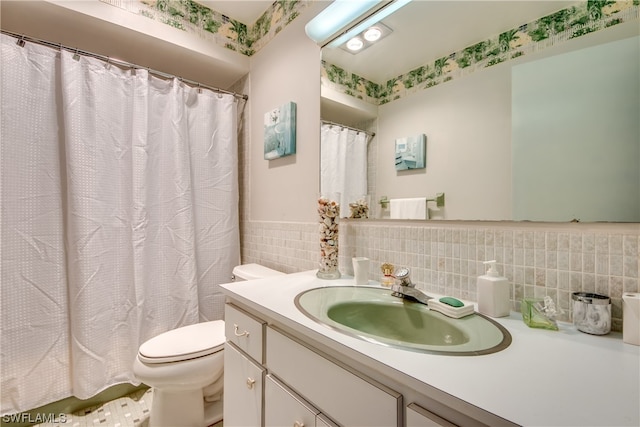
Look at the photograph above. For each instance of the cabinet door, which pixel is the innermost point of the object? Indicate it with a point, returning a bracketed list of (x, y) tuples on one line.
[(417, 416), (243, 385), (349, 398), (283, 408)]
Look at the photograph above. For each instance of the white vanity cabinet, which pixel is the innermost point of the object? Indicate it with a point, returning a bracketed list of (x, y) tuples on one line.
[(269, 372), (290, 380), (243, 371)]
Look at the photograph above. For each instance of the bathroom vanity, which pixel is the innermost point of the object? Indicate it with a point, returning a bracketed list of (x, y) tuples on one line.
[(283, 368)]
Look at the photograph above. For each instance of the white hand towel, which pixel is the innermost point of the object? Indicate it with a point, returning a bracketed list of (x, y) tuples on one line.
[(414, 208)]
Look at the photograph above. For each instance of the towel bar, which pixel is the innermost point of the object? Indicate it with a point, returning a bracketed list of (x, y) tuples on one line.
[(439, 199)]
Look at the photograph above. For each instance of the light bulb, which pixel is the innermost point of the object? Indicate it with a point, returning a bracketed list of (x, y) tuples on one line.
[(372, 34), (355, 44)]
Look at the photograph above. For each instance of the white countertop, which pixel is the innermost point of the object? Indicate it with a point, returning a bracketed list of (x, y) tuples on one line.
[(544, 378)]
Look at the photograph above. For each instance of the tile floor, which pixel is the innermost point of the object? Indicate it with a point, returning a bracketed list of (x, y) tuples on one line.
[(128, 411)]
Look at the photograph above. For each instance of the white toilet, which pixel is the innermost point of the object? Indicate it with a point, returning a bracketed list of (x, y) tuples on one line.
[(184, 367)]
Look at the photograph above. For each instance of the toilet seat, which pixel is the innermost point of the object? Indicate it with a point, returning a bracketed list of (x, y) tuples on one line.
[(187, 342)]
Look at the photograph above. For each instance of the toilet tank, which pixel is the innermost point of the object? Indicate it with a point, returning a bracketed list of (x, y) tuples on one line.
[(253, 271)]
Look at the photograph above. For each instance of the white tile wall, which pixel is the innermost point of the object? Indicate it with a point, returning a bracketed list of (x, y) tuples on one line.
[(446, 257)]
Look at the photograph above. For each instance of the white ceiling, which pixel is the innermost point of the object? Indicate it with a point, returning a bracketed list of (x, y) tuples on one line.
[(426, 30)]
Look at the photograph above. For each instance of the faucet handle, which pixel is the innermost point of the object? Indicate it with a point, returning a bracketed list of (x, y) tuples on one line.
[(404, 276)]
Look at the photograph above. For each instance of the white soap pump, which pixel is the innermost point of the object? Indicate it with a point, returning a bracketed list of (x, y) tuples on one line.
[(493, 292)]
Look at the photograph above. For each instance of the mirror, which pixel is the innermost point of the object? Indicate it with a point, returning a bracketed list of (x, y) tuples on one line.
[(522, 121)]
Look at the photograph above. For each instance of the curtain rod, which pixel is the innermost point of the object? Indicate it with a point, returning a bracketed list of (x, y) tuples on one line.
[(22, 39), (327, 122)]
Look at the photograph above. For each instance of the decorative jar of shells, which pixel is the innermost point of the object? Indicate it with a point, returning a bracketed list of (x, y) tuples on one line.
[(328, 214), (359, 208)]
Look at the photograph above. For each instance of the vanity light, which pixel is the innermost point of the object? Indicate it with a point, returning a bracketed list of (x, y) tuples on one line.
[(343, 19), (368, 21), (355, 44), (372, 34), (366, 38), (336, 17)]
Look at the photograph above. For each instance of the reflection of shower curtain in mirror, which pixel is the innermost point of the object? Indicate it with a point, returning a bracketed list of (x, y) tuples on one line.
[(119, 218), (343, 164)]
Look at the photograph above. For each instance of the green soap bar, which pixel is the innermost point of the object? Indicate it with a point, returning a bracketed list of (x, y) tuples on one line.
[(452, 301)]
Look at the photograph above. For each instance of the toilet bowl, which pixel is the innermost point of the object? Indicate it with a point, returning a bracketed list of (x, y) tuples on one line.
[(184, 366)]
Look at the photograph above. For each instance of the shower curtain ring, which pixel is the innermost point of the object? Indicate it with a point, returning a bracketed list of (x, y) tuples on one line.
[(76, 56), (20, 41)]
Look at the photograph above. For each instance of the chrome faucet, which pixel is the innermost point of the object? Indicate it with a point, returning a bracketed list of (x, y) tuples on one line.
[(406, 289)]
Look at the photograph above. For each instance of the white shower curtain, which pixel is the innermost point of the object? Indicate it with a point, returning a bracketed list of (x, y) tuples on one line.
[(343, 164), (119, 218)]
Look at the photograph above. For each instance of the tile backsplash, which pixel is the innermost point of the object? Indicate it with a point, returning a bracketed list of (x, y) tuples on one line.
[(445, 257)]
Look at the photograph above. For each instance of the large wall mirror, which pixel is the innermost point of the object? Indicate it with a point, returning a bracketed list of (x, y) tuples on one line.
[(530, 110)]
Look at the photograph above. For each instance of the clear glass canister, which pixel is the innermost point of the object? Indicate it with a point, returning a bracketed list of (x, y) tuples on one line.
[(328, 215)]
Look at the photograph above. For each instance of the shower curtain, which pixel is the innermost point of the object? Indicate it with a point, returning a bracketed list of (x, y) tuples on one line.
[(343, 164), (119, 218)]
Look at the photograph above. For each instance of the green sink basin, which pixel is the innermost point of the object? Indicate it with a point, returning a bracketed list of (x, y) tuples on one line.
[(374, 315)]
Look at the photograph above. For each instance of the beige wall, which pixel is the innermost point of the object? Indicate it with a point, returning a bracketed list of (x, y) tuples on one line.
[(287, 69)]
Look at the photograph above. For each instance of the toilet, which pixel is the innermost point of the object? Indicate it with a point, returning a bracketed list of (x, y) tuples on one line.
[(184, 366)]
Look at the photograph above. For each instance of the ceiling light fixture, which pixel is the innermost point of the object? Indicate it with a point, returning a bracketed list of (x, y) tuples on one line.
[(367, 38), (368, 22), (336, 17), (344, 19)]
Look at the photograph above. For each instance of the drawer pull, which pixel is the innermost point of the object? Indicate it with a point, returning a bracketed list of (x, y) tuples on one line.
[(250, 383), (298, 424), (241, 334)]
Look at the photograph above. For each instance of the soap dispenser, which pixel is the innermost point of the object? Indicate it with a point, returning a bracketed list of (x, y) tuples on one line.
[(493, 292)]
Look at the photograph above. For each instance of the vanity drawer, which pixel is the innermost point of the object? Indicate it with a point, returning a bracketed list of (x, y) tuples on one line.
[(349, 398), (245, 331), (282, 407)]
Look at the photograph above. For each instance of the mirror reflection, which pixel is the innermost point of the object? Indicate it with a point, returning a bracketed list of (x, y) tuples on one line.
[(343, 162), (529, 110)]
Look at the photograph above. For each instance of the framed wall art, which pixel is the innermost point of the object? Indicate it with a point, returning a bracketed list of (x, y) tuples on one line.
[(411, 152), (280, 131)]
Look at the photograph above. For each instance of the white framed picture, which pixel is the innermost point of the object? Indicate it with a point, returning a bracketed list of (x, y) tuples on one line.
[(411, 152)]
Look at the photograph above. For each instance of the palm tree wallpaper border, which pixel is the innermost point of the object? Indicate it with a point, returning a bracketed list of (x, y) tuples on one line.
[(575, 21), (194, 18)]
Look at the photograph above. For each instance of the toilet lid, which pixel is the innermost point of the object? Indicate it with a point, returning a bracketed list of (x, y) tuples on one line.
[(187, 342)]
